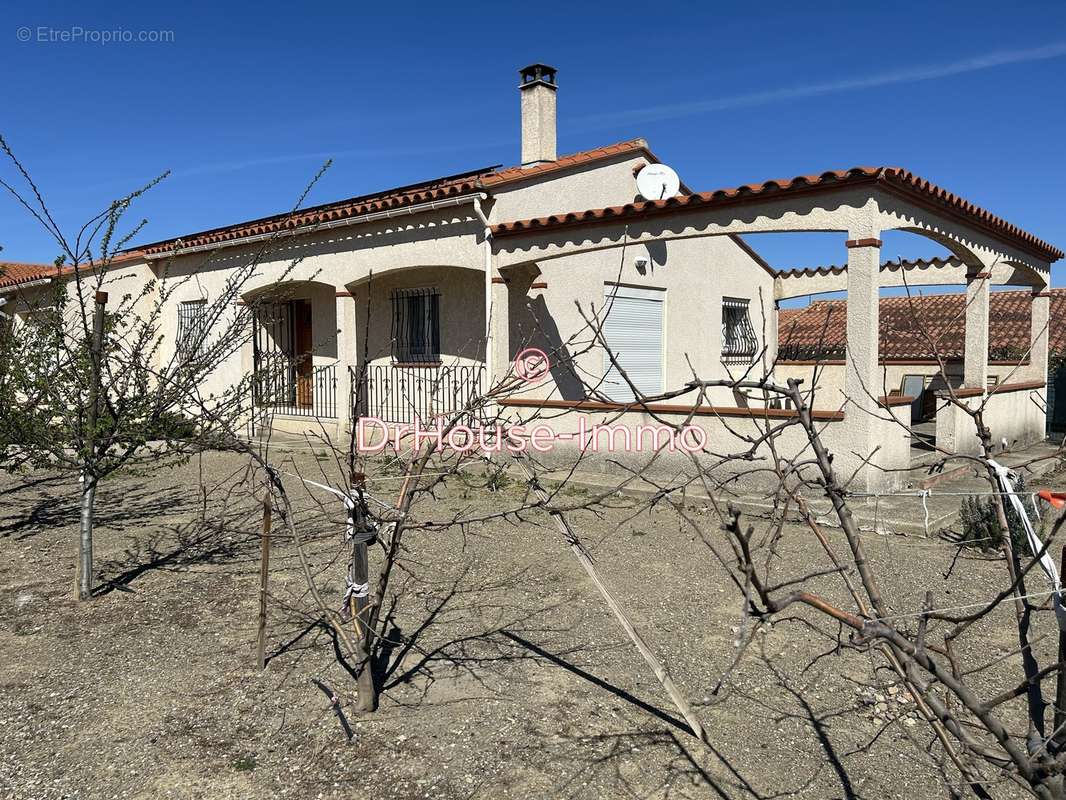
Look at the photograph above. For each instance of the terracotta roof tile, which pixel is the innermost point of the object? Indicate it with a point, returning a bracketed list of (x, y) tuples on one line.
[(514, 174), (819, 330), (837, 269), (893, 178), (12, 273), (487, 178)]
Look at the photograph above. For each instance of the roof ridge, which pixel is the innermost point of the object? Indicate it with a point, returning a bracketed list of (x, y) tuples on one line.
[(410, 194)]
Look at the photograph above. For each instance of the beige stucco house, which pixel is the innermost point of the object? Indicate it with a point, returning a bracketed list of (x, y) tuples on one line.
[(431, 290)]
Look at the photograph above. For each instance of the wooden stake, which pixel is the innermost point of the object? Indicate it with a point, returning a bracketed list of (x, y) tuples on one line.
[(264, 571), (634, 636), (359, 574)]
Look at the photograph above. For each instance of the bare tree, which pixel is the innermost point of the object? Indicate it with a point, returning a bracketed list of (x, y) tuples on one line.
[(92, 398), (86, 389)]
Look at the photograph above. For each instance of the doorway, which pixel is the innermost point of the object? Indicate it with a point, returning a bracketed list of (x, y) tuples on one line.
[(303, 358), (283, 345)]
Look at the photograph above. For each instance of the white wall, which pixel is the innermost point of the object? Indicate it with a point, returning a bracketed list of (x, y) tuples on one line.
[(462, 313), (695, 274), (728, 440), (596, 185), (828, 377), (1017, 416)]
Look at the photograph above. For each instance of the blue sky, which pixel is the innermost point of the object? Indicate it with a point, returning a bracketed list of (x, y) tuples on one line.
[(250, 98)]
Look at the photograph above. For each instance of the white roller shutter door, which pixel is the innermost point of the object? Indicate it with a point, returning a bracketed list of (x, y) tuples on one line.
[(633, 329)]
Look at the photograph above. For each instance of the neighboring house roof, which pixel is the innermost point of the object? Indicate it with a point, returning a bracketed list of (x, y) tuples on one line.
[(12, 273), (15, 274), (907, 324), (485, 179), (894, 179)]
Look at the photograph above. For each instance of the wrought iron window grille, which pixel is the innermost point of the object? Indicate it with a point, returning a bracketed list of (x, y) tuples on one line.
[(739, 342), (416, 325), (192, 320)]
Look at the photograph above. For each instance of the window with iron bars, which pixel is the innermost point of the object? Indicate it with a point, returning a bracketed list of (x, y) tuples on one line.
[(739, 343), (192, 317), (416, 325)]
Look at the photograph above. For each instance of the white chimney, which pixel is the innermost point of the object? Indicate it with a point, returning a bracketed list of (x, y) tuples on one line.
[(538, 114)]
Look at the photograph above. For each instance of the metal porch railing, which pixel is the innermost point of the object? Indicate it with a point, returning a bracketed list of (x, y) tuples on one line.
[(281, 387), (402, 394)]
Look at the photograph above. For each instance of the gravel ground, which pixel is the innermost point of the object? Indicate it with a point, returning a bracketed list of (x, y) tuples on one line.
[(508, 676)]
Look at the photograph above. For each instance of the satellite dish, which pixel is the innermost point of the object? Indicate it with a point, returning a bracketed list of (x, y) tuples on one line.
[(657, 182)]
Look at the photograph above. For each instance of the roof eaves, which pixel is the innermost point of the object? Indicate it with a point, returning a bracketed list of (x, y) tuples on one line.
[(13, 274), (916, 187), (687, 202), (937, 262), (401, 197), (891, 178), (484, 179)]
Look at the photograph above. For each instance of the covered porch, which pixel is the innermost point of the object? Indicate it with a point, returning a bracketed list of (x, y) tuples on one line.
[(859, 205), (922, 362), (294, 350), (401, 345)]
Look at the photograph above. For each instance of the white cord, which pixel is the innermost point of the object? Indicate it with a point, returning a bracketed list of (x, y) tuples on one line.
[(1006, 481), (930, 493), (925, 507), (356, 590), (962, 607), (345, 498)]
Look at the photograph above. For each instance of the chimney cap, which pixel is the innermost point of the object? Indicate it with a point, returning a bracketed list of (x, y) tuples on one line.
[(538, 75)]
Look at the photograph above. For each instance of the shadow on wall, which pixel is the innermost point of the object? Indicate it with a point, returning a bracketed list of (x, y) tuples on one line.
[(657, 253), (533, 326)]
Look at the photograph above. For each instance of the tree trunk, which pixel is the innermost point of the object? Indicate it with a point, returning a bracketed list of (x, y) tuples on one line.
[(83, 589), (84, 585)]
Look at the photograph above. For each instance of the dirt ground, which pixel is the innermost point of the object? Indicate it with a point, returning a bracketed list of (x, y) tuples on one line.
[(507, 676)]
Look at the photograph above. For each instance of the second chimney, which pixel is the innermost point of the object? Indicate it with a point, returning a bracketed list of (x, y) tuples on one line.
[(538, 114)]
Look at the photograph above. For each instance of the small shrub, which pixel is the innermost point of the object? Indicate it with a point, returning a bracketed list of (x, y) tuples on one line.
[(980, 526), (498, 480), (172, 425)]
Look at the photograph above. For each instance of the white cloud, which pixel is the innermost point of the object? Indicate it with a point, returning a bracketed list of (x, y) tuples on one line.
[(770, 96)]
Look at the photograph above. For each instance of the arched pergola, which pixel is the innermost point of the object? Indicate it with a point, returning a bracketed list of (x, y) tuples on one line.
[(861, 204)]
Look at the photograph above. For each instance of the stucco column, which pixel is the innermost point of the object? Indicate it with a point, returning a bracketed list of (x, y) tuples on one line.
[(770, 315), (862, 384), (975, 354), (347, 348), (1038, 335), (499, 327), (246, 358)]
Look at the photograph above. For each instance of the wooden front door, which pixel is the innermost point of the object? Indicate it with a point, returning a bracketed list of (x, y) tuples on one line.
[(302, 346)]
